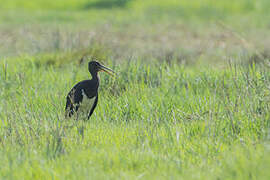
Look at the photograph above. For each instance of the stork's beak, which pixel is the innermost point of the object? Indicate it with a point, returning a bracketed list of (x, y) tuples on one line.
[(107, 70)]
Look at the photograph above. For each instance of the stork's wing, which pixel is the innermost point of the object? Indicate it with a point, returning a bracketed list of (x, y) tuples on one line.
[(74, 98)]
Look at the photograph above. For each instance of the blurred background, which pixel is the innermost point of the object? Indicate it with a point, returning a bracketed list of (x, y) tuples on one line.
[(185, 30)]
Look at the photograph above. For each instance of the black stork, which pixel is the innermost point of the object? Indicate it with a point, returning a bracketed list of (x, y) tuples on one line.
[(86, 90)]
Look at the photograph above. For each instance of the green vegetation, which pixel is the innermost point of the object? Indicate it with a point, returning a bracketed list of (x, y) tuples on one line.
[(191, 99)]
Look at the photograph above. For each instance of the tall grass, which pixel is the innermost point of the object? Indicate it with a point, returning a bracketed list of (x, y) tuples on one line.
[(177, 108), (153, 120)]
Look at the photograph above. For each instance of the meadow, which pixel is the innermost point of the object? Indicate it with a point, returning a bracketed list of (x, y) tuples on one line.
[(191, 99)]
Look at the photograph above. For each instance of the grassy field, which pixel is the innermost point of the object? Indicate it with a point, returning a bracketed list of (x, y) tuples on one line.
[(191, 99)]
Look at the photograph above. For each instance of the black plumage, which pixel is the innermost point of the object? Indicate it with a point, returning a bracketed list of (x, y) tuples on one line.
[(85, 90)]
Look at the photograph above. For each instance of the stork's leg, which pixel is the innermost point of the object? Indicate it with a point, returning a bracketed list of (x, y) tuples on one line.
[(93, 107)]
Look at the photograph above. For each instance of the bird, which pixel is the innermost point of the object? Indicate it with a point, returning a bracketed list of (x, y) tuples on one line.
[(85, 91)]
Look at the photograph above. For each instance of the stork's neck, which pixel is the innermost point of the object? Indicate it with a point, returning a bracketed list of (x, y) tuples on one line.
[(95, 76)]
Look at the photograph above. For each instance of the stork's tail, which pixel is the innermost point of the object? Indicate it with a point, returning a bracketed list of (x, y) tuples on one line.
[(69, 110)]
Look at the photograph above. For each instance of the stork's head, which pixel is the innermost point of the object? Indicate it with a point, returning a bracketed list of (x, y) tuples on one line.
[(95, 67)]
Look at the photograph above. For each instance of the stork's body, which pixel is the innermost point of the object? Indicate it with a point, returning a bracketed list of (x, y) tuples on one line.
[(85, 91)]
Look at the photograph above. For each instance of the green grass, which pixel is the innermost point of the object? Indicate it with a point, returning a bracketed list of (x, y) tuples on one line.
[(191, 98), (183, 28), (152, 120), (117, 11)]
